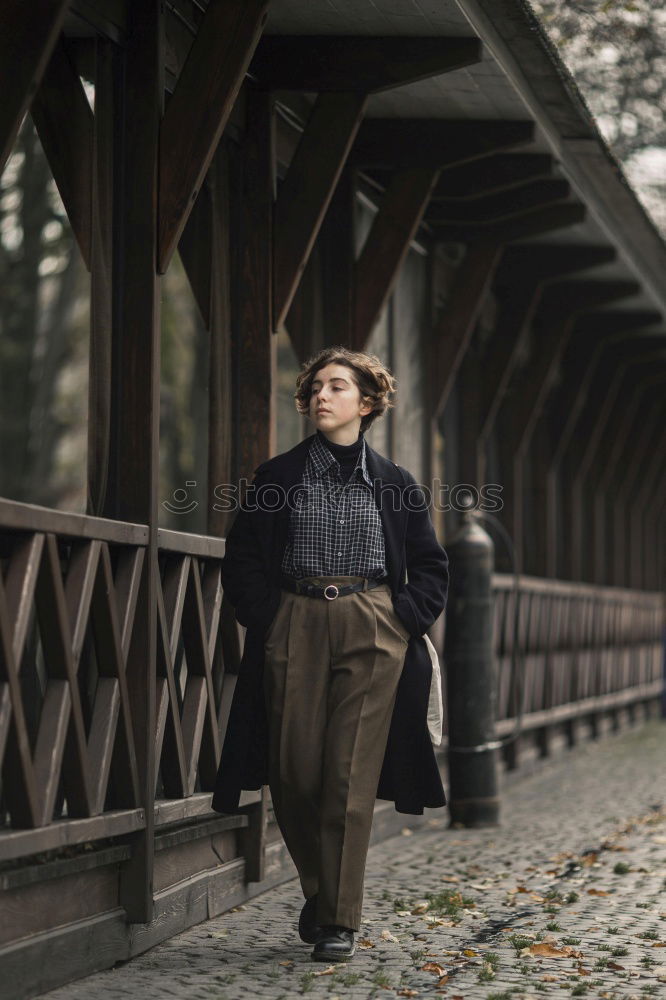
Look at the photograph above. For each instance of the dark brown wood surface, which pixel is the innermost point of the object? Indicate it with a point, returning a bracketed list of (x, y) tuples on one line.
[(453, 330), (199, 109), (64, 122), (393, 228), (434, 143), (306, 191), (33, 30), (324, 63)]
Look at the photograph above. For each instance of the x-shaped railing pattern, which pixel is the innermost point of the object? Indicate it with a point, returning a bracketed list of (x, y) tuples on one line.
[(79, 743)]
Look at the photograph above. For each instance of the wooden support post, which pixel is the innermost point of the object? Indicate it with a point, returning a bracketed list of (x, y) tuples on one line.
[(393, 229), (134, 467), (307, 189), (646, 438), (253, 346), (550, 339), (200, 107), (641, 547), (598, 444), (454, 328), (220, 406), (64, 122), (107, 101), (593, 338), (32, 30)]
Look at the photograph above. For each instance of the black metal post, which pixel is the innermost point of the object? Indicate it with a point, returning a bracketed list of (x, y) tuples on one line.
[(471, 684)]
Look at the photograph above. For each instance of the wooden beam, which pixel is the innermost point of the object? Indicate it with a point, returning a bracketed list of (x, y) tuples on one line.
[(307, 189), (254, 350), (519, 227), (521, 278), (559, 308), (434, 142), (103, 170), (492, 174), (195, 248), (110, 19), (495, 207), (549, 262), (394, 226), (64, 121), (199, 109), (134, 466), (601, 425), (582, 367), (644, 441), (28, 34), (324, 63), (454, 328), (220, 386)]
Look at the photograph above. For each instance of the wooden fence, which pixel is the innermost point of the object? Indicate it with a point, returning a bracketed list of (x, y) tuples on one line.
[(572, 653), (79, 817)]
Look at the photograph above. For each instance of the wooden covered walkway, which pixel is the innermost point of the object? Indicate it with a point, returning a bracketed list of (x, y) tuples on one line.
[(419, 180)]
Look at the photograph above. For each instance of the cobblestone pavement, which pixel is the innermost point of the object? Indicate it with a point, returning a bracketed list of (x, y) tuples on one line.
[(566, 898)]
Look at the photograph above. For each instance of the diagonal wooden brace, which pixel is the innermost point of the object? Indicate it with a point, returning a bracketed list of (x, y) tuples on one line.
[(307, 190), (200, 107)]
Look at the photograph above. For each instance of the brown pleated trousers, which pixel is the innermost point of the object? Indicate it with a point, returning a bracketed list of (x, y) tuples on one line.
[(331, 675)]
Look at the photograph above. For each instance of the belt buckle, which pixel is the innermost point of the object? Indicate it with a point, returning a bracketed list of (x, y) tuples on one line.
[(331, 586)]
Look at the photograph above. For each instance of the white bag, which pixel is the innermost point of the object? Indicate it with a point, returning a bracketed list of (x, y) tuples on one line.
[(435, 704)]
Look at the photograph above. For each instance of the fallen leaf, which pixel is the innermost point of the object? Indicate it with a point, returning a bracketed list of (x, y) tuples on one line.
[(365, 943), (589, 859), (326, 972), (408, 993), (287, 962), (450, 878), (470, 953), (539, 899), (433, 967), (443, 980), (550, 951), (438, 922), (387, 936), (421, 907), (218, 934), (597, 892), (550, 979), (659, 944), (615, 967), (582, 971)]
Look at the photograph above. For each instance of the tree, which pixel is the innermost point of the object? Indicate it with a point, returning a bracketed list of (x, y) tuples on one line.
[(616, 51)]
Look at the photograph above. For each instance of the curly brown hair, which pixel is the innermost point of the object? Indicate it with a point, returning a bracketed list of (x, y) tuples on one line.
[(374, 381)]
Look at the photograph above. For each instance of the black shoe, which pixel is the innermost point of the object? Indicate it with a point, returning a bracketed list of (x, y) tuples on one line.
[(334, 944), (308, 928)]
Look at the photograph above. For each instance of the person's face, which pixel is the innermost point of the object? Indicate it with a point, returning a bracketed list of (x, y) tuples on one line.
[(336, 406)]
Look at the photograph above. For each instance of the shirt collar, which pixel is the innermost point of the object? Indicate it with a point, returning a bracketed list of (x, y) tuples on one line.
[(322, 460)]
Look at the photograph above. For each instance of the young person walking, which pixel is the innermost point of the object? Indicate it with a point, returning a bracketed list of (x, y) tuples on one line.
[(333, 566)]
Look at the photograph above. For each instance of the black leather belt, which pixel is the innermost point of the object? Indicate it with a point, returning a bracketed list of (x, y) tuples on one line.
[(329, 592)]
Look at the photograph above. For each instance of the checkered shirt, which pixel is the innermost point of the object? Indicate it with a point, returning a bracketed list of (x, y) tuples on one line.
[(334, 527)]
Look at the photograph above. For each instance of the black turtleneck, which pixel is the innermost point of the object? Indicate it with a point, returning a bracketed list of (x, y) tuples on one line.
[(346, 454)]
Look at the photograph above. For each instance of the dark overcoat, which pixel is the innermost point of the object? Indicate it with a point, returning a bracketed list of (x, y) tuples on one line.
[(417, 569)]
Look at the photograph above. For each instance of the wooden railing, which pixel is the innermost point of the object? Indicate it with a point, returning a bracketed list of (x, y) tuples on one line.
[(68, 594), (572, 651)]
